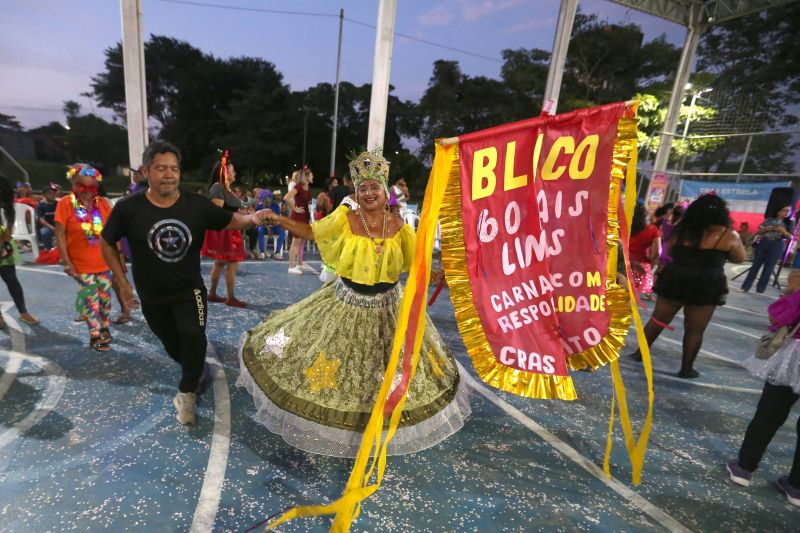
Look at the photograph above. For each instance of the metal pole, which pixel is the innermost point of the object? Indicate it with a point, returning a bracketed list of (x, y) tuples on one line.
[(676, 98), (305, 129), (381, 67), (566, 18), (744, 158), (16, 164), (336, 97), (135, 83)]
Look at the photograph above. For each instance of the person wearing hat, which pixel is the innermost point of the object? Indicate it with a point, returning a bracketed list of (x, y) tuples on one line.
[(46, 215), (270, 200), (24, 194)]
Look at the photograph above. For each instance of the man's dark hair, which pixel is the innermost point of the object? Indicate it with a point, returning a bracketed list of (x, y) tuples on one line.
[(159, 147)]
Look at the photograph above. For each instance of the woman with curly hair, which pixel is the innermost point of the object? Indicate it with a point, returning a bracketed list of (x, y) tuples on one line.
[(695, 279)]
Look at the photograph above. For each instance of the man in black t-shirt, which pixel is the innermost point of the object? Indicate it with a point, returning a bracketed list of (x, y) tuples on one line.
[(165, 228), (341, 191)]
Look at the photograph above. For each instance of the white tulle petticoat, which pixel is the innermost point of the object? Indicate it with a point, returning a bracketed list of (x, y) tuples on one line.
[(317, 438), (783, 368)]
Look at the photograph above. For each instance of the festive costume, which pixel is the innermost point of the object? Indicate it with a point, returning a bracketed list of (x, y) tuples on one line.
[(83, 225), (639, 246), (224, 245), (315, 382)]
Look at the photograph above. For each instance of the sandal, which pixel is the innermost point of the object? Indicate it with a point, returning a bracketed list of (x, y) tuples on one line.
[(98, 344), (123, 319), (105, 335)]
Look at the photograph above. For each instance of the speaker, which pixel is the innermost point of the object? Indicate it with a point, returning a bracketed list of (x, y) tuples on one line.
[(778, 198)]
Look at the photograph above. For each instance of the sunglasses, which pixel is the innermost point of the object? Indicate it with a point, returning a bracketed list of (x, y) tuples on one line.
[(82, 189)]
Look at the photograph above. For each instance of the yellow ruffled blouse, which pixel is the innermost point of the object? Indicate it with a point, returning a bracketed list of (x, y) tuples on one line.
[(354, 256)]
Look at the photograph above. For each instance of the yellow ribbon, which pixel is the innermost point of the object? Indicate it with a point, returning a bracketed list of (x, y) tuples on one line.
[(636, 448), (374, 443)]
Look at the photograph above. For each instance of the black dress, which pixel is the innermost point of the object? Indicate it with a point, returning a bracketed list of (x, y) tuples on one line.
[(694, 277)]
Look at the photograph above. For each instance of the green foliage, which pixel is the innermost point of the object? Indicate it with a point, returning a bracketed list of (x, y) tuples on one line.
[(754, 60), (653, 112), (201, 102), (10, 121)]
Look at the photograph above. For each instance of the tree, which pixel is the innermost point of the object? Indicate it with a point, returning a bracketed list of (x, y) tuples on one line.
[(71, 109), (91, 139), (652, 114), (188, 93), (756, 70), (524, 74), (10, 121), (455, 103), (610, 63)]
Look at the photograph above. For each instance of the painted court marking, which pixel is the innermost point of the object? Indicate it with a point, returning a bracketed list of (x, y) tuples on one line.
[(661, 375), (55, 389), (660, 516), (764, 314), (210, 494), (705, 352)]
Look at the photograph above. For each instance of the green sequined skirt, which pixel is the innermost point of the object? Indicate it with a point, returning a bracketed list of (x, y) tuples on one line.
[(315, 368)]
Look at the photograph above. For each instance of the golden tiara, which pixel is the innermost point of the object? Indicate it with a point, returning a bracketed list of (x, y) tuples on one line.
[(370, 166)]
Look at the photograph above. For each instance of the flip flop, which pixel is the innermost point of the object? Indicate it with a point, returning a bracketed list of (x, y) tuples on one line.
[(123, 319)]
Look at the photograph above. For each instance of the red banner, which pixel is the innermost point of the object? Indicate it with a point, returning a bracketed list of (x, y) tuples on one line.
[(535, 214)]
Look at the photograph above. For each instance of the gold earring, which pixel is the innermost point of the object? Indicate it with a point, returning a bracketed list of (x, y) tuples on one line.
[(386, 208)]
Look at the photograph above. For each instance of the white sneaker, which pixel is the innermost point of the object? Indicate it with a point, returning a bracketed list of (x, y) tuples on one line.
[(295, 270), (262, 256), (184, 403), (309, 268)]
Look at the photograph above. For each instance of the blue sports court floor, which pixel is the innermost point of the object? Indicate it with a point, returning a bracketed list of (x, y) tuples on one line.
[(89, 442)]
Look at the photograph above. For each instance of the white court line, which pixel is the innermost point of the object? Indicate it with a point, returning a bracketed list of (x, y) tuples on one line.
[(42, 271), (660, 516), (712, 323), (210, 494), (9, 374), (728, 306), (56, 385), (661, 374), (707, 353), (17, 344)]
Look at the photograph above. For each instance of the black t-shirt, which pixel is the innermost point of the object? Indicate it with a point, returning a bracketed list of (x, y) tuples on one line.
[(339, 193), (165, 242)]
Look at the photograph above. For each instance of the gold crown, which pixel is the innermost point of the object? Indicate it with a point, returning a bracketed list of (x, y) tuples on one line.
[(370, 166)]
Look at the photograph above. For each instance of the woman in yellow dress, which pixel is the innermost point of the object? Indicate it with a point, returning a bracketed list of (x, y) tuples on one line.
[(315, 368)]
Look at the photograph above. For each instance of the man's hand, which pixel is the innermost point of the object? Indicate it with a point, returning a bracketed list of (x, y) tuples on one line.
[(264, 217), (300, 210), (126, 294)]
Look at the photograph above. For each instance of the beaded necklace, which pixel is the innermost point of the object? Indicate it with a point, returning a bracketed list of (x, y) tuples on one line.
[(92, 225), (378, 247)]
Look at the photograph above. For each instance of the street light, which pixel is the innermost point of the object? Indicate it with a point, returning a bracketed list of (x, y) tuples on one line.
[(695, 96)]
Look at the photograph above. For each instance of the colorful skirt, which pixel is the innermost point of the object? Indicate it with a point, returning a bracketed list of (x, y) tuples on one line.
[(315, 369), (224, 245)]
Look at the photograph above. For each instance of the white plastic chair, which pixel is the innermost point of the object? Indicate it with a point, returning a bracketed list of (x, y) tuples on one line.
[(25, 226), (412, 220)]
